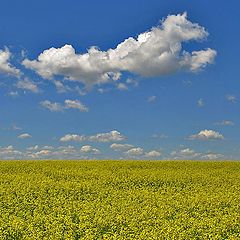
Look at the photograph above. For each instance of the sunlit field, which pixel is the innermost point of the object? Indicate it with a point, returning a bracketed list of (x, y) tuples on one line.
[(119, 200)]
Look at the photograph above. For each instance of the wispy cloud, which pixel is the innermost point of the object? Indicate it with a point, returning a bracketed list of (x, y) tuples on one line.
[(151, 99), (225, 123), (231, 98), (200, 102), (68, 104), (28, 85), (187, 153)]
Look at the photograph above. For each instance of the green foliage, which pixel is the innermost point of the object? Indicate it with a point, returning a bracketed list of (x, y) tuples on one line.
[(119, 200)]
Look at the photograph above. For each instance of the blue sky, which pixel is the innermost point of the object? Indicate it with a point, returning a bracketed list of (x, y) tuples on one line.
[(126, 79)]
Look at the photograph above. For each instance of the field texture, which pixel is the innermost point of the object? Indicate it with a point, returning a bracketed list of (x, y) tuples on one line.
[(119, 200)]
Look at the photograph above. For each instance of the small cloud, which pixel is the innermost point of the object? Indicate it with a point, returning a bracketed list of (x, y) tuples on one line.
[(5, 65), (188, 153), (200, 102), (103, 90), (28, 85), (225, 123), (36, 147), (15, 127), (185, 153), (122, 87), (13, 93), (24, 136), (10, 152), (120, 147), (207, 135), (61, 88), (231, 98), (131, 81), (153, 154), (187, 82), (112, 136), (155, 135), (68, 104), (151, 99), (73, 137), (52, 106), (137, 151), (212, 156), (46, 147), (23, 53), (89, 149), (80, 91), (75, 104)]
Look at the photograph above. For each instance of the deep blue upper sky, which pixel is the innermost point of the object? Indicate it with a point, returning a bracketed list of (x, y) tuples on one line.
[(181, 114)]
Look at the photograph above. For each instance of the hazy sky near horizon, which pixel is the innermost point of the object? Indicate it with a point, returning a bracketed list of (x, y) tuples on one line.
[(119, 79)]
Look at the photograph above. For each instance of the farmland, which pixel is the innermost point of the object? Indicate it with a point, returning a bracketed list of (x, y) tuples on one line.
[(119, 200)]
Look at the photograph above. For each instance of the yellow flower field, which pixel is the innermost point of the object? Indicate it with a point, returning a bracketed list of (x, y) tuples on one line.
[(119, 200)]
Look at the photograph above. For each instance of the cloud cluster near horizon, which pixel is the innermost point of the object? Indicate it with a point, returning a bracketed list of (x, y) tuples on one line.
[(100, 137), (153, 53)]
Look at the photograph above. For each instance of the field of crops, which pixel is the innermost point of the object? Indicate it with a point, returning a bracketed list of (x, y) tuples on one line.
[(119, 200)]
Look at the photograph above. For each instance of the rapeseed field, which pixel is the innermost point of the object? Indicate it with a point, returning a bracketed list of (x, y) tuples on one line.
[(119, 200)]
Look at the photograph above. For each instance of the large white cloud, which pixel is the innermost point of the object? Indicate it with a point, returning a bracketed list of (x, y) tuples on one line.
[(207, 135), (5, 66), (152, 53), (112, 136)]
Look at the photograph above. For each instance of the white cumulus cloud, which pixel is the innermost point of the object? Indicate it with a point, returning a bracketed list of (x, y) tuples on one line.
[(68, 104), (231, 98), (207, 135), (134, 152), (153, 154), (153, 53), (89, 149), (52, 106), (112, 136), (75, 104), (24, 136), (5, 65), (73, 137), (185, 153)]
